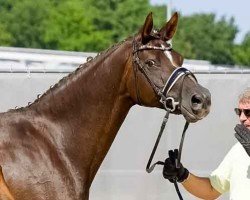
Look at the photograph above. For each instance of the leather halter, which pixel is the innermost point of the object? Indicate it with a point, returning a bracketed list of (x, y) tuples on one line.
[(179, 72)]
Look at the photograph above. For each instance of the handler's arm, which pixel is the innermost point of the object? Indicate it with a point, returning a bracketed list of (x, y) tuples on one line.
[(200, 187)]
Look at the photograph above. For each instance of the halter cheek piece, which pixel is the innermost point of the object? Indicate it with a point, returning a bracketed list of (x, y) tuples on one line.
[(165, 99)]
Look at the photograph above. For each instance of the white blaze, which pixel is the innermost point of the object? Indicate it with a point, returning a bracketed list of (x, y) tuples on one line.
[(169, 56)]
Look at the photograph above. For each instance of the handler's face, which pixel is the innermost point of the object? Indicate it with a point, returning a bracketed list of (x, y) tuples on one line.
[(244, 117)]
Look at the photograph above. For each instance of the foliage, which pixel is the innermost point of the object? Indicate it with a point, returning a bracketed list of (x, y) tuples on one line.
[(200, 36), (23, 20), (78, 25), (69, 27), (90, 25), (5, 36), (242, 52), (126, 22)]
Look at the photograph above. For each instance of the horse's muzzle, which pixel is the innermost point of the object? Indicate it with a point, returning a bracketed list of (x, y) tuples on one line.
[(198, 106)]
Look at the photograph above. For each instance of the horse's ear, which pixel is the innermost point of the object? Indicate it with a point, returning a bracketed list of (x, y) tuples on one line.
[(169, 29), (147, 28)]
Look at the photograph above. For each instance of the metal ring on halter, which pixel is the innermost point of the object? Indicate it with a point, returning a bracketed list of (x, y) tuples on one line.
[(173, 103)]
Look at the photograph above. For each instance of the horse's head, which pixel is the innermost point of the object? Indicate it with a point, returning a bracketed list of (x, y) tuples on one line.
[(159, 80)]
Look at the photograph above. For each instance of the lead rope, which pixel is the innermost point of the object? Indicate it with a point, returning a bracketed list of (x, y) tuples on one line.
[(150, 168), (178, 161)]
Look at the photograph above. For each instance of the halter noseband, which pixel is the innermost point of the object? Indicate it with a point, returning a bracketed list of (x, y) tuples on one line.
[(173, 78), (179, 72)]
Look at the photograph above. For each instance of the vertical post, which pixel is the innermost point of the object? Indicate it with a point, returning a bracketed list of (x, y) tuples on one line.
[(169, 13), (169, 8)]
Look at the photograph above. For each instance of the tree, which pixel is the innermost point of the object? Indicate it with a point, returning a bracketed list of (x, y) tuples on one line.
[(69, 26), (90, 25), (200, 36), (129, 17), (94, 25), (78, 25), (5, 36), (241, 52), (23, 20)]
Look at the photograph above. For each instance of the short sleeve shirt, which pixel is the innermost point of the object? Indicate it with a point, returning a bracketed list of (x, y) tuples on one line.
[(233, 174)]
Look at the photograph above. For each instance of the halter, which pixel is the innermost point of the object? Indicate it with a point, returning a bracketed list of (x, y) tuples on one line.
[(165, 99), (179, 72)]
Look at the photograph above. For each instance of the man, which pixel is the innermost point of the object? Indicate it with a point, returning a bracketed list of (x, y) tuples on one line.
[(233, 174)]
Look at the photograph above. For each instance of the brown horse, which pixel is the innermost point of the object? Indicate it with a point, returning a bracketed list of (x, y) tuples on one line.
[(52, 148)]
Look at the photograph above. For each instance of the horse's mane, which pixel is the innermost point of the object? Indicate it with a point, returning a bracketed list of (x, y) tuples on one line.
[(90, 62)]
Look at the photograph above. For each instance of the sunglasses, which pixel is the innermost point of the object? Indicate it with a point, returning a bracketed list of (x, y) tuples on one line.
[(245, 111)]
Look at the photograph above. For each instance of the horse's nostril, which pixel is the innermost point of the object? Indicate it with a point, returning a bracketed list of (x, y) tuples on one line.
[(196, 99), (196, 102)]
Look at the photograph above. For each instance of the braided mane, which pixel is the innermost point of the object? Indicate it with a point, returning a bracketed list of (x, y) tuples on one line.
[(90, 61)]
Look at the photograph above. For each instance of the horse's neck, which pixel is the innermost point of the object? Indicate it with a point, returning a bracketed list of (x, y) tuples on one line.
[(98, 83), (90, 107)]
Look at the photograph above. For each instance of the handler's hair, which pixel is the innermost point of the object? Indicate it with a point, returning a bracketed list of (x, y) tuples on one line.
[(244, 97)]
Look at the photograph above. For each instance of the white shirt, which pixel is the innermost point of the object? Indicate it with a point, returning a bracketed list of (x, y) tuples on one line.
[(233, 174)]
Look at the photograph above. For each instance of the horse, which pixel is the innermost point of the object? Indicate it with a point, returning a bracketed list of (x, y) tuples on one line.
[(52, 148)]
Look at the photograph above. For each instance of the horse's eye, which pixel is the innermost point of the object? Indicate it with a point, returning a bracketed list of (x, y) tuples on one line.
[(150, 62)]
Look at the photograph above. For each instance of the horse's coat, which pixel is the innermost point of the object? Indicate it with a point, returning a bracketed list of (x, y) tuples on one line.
[(52, 148)]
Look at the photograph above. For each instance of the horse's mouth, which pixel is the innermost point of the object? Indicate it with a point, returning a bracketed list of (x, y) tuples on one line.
[(190, 116)]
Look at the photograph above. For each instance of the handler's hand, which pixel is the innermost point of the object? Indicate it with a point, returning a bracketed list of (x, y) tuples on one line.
[(243, 136), (171, 172)]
